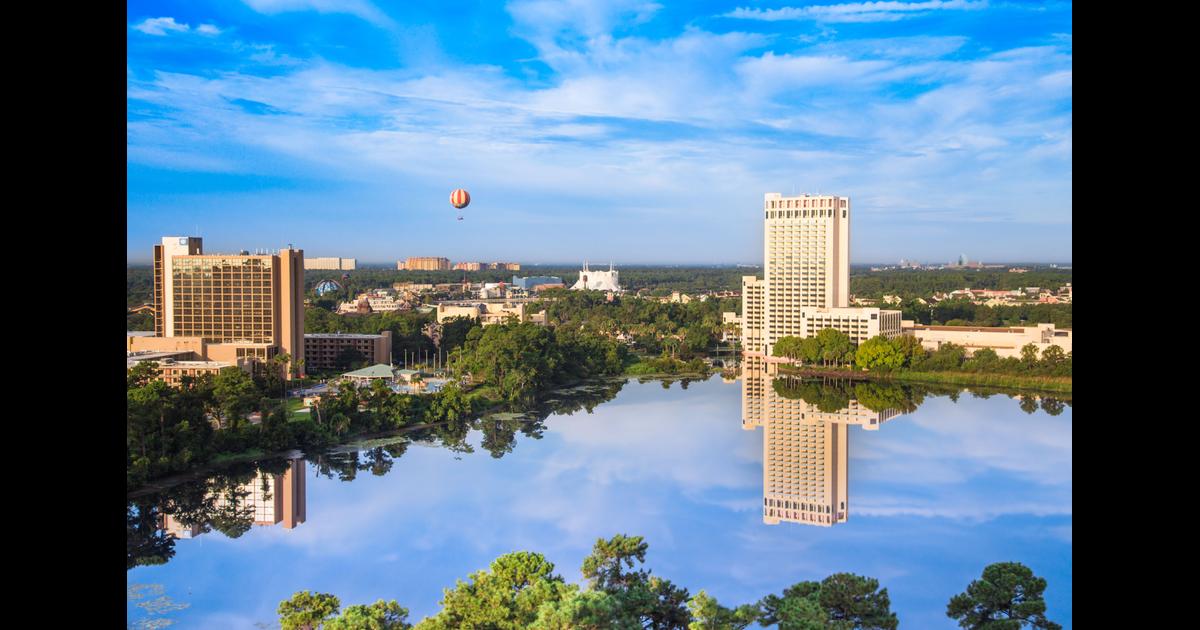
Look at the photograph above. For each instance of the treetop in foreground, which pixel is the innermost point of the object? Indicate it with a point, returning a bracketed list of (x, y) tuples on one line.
[(1007, 597)]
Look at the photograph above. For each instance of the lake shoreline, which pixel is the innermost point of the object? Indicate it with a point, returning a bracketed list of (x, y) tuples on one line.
[(228, 459), (961, 379)]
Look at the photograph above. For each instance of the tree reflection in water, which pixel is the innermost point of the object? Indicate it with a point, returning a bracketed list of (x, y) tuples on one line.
[(227, 501)]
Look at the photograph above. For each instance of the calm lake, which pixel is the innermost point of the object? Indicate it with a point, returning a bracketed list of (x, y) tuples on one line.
[(933, 491)]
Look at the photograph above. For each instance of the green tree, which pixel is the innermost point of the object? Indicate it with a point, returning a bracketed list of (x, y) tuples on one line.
[(653, 601), (507, 596), (1007, 597), (912, 350), (835, 346), (378, 616), (1029, 357), (787, 347), (879, 353), (810, 350), (307, 611), (235, 395), (842, 601), (797, 609), (708, 614)]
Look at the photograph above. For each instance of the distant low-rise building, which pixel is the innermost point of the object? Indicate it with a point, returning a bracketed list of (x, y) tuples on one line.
[(424, 263), (321, 350), (487, 311), (342, 264), (535, 283), (1006, 341)]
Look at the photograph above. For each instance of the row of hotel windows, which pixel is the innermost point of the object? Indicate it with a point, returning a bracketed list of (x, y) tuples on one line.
[(793, 505), (802, 214), (820, 202)]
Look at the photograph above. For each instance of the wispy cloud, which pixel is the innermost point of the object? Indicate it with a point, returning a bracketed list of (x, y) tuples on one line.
[(857, 11), (359, 8), (160, 26), (925, 132)]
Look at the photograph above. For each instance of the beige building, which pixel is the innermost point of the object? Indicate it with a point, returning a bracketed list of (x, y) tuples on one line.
[(860, 324), (806, 283), (239, 306), (268, 498), (488, 311), (1006, 341), (321, 350), (752, 313), (343, 264), (805, 450), (424, 263)]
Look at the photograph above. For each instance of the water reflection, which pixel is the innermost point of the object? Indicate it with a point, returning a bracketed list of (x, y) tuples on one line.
[(806, 436), (275, 492)]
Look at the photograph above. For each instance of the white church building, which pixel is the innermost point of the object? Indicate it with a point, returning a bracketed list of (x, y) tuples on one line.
[(597, 280)]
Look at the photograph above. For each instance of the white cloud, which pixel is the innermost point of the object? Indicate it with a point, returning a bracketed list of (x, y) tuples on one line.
[(700, 122), (359, 8), (856, 11), (160, 26), (208, 29)]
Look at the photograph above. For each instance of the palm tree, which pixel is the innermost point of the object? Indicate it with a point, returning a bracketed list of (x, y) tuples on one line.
[(282, 360)]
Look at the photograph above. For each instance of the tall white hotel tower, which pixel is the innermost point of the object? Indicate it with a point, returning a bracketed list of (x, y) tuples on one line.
[(806, 288)]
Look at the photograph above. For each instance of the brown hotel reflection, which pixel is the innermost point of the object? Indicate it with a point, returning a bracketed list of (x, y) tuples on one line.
[(805, 450), (269, 498)]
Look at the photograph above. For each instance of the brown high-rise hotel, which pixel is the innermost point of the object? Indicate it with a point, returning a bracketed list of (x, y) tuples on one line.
[(226, 307)]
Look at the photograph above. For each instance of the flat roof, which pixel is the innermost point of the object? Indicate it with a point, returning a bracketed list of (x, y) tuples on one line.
[(139, 333), (1004, 329), (342, 336)]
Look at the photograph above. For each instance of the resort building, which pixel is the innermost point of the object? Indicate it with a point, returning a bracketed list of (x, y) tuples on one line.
[(752, 313), (806, 276), (1006, 341), (424, 263), (536, 283), (597, 280), (321, 350), (342, 264), (488, 312), (226, 307)]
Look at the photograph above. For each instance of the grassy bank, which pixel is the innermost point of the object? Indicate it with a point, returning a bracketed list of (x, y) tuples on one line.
[(1056, 384)]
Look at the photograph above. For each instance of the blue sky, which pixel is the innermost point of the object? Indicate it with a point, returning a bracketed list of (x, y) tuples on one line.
[(629, 130)]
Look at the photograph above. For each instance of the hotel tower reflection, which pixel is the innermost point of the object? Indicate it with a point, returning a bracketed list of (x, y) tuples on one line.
[(267, 499), (805, 450)]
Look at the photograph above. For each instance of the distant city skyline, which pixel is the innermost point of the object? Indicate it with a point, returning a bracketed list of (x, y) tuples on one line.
[(622, 130)]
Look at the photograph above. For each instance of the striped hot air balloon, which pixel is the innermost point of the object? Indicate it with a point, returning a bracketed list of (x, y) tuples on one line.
[(460, 198)]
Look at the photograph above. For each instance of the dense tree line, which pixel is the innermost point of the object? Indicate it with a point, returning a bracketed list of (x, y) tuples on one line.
[(521, 359), (914, 283), (904, 352), (680, 330), (834, 395), (521, 590), (171, 429), (965, 313), (908, 284)]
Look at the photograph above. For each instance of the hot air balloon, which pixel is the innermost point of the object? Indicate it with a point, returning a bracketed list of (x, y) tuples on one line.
[(460, 199)]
